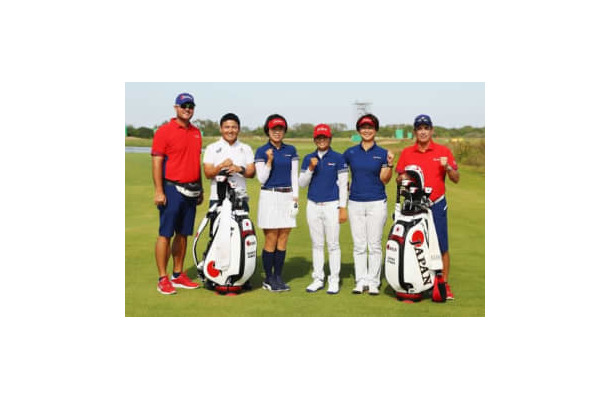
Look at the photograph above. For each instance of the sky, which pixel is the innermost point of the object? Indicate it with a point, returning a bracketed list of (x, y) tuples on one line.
[(451, 104)]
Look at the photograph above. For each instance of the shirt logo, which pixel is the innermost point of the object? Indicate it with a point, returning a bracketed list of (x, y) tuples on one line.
[(218, 150), (332, 164), (377, 157)]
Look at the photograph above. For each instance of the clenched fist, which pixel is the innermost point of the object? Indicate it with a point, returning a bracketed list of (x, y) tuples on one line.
[(312, 163), (269, 153), (390, 158)]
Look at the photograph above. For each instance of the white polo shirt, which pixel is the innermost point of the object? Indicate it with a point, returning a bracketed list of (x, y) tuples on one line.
[(217, 152)]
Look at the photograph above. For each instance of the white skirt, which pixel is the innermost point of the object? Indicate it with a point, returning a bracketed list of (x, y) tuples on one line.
[(274, 209)]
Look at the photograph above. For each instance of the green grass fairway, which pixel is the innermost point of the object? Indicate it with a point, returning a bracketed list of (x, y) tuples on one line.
[(466, 240)]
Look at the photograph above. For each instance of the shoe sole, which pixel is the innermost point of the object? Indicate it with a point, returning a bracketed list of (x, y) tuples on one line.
[(178, 285), (313, 290), (356, 291), (269, 288), (373, 294), (162, 292), (329, 292)]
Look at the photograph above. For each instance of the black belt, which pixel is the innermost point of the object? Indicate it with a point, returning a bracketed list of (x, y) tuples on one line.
[(176, 183), (280, 189)]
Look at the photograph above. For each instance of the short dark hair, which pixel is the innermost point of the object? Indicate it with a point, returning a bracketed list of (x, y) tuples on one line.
[(370, 116), (230, 117)]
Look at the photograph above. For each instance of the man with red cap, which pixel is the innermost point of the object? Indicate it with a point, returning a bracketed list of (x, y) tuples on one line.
[(436, 161), (176, 153), (325, 172)]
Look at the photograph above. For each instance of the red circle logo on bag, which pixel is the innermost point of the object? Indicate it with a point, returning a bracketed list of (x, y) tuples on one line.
[(212, 271), (417, 239)]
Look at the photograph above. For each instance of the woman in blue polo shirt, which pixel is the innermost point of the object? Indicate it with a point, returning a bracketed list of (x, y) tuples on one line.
[(371, 169), (277, 167)]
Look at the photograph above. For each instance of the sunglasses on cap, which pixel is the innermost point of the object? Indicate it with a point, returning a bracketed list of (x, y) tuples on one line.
[(189, 106)]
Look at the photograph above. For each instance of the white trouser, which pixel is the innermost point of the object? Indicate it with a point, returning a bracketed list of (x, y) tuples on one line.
[(367, 219), (323, 221)]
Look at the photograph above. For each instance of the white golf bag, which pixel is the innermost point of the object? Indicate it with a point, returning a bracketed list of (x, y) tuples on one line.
[(413, 263), (230, 257)]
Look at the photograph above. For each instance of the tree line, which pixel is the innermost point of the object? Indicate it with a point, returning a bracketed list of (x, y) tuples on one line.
[(212, 128)]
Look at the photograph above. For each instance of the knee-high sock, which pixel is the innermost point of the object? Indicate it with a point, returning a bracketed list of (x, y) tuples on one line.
[(268, 262), (280, 256)]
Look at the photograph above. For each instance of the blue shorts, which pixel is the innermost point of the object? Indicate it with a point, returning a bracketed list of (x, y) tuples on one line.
[(178, 214), (439, 214)]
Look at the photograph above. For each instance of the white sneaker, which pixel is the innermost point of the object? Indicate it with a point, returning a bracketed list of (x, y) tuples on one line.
[(373, 290), (315, 286), (359, 288), (333, 288)]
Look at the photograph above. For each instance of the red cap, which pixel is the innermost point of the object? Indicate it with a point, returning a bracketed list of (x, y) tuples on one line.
[(322, 130), (365, 121), (276, 122)]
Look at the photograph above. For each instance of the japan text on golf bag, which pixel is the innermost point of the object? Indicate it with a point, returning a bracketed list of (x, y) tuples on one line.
[(230, 257), (413, 263)]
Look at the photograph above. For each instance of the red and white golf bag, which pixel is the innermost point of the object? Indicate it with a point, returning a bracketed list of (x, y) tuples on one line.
[(413, 264), (230, 257)]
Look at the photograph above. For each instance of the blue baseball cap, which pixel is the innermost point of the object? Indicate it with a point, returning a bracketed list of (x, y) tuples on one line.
[(422, 119), (184, 98)]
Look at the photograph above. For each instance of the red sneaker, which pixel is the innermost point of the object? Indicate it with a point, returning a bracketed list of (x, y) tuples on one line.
[(449, 293), (165, 287), (183, 282)]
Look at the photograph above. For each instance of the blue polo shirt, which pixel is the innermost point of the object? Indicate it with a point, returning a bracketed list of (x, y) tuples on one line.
[(281, 166), (366, 167), (323, 186)]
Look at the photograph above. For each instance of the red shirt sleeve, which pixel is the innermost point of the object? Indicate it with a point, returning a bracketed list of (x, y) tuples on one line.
[(159, 143)]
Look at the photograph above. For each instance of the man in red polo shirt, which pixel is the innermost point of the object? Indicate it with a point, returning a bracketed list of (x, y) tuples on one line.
[(176, 154), (436, 161)]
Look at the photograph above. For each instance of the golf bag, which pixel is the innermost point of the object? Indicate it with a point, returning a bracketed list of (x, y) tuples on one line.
[(230, 257), (413, 263)]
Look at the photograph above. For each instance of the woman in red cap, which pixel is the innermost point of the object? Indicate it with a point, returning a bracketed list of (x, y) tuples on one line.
[(371, 169), (277, 167)]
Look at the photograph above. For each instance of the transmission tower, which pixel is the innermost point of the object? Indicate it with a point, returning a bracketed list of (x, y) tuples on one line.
[(362, 108)]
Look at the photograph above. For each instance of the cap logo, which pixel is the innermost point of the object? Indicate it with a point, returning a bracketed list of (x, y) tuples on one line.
[(275, 122), (366, 121)]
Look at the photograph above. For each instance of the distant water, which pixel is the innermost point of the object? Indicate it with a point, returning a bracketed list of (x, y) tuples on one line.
[(131, 149)]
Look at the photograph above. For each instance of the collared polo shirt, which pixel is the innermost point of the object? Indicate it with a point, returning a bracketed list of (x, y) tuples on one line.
[(217, 152), (181, 148), (323, 186), (281, 166), (366, 166), (430, 163)]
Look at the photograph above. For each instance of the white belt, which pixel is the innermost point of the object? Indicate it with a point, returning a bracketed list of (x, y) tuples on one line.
[(439, 199)]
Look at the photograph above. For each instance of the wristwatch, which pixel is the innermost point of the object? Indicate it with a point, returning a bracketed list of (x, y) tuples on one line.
[(448, 168)]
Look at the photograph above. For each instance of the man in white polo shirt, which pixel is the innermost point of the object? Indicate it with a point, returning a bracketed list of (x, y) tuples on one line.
[(229, 154)]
